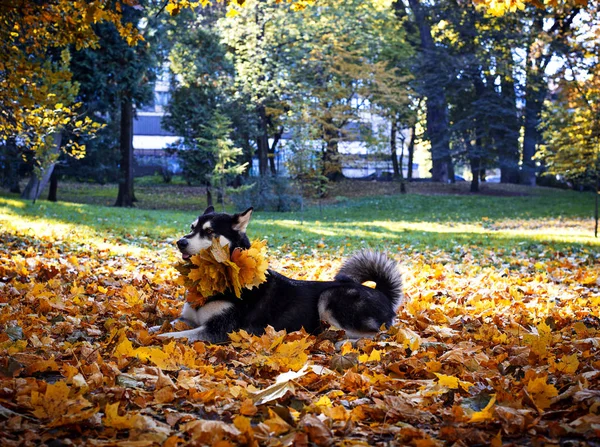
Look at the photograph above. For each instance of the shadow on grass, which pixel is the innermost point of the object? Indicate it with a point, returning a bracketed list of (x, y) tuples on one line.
[(417, 222), (430, 236), (455, 208)]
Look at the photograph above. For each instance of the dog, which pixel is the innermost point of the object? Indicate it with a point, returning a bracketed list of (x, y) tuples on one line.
[(285, 303)]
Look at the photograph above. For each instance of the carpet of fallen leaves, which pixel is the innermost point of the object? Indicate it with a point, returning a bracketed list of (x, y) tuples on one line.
[(492, 347)]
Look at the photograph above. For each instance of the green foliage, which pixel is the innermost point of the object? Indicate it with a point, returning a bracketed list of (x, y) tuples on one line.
[(212, 158), (100, 164), (262, 50), (200, 109), (348, 69), (571, 122), (305, 163), (267, 194), (318, 67), (112, 72), (572, 147), (225, 154)]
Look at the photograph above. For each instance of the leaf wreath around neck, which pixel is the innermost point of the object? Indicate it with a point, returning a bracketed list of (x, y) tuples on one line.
[(213, 271)]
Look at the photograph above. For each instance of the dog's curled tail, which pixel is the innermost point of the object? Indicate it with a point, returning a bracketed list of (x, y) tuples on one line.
[(368, 265)]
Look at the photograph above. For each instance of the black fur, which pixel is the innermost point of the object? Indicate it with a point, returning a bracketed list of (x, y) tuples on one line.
[(289, 304)]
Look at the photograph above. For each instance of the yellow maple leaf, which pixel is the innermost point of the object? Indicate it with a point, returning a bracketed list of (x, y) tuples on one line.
[(155, 355), (170, 357), (276, 424), (541, 392), (231, 12), (124, 348), (113, 419), (210, 276), (486, 414), (252, 264), (132, 296), (172, 8), (213, 271), (337, 413), (374, 356), (409, 338), (43, 365), (448, 381), (323, 401), (453, 382), (291, 355), (195, 298), (347, 348), (540, 339), (568, 364), (57, 405)]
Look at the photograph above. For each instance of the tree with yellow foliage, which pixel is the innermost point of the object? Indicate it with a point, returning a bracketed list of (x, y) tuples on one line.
[(37, 95), (571, 121), (501, 7)]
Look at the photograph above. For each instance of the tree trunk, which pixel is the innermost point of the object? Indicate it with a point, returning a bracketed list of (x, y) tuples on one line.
[(36, 184), (535, 91), (531, 138), (52, 192), (209, 199), (451, 175), (411, 152), (332, 164), (248, 152), (394, 153), (272, 148), (401, 171), (475, 163), (11, 167), (536, 87), (437, 105), (125, 197), (507, 142), (596, 208), (477, 155), (262, 142)]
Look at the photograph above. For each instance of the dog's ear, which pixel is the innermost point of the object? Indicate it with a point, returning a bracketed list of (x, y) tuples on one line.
[(209, 210), (241, 220)]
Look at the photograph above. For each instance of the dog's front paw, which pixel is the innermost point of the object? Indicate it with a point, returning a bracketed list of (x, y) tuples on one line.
[(166, 335), (195, 334)]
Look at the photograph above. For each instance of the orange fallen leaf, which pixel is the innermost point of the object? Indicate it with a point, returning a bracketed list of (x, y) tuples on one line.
[(126, 422), (59, 407), (541, 392)]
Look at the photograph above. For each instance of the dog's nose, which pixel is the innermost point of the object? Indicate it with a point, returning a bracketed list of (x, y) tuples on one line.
[(182, 243)]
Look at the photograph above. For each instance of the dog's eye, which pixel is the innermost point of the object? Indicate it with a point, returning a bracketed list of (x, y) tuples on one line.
[(208, 231)]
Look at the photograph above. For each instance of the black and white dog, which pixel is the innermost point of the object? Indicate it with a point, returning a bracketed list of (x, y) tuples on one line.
[(285, 303)]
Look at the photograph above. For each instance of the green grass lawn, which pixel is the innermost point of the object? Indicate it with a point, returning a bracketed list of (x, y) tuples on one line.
[(412, 222)]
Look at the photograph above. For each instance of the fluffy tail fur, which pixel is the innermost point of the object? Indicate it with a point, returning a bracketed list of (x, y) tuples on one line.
[(368, 265)]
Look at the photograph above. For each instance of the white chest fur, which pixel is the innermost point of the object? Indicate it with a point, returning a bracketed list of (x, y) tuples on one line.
[(204, 313)]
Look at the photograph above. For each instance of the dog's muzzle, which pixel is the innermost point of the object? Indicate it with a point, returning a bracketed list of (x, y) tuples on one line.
[(182, 244)]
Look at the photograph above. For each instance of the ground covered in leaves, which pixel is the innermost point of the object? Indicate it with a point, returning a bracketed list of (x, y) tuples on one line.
[(491, 348)]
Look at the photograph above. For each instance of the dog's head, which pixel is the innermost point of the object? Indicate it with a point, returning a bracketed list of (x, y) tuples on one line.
[(230, 229)]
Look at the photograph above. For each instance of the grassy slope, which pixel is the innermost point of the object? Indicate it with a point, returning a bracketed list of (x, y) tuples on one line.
[(396, 222)]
